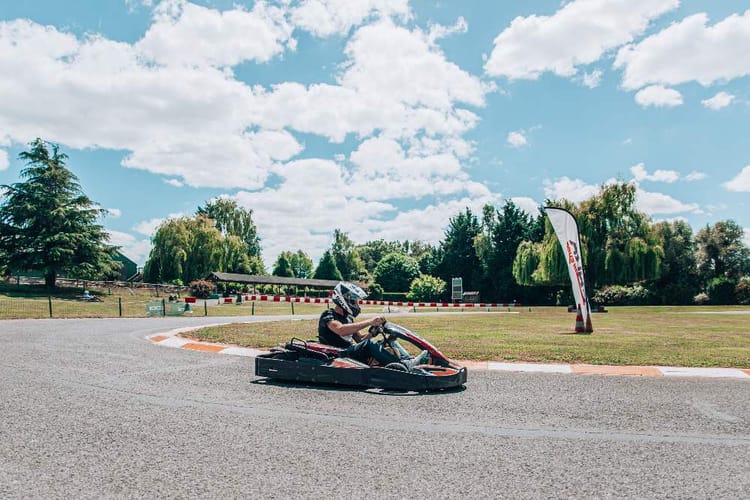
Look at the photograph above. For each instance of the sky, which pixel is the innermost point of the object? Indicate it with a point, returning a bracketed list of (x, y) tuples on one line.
[(382, 118)]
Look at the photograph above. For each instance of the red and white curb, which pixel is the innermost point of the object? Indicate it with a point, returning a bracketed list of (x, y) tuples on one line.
[(171, 338), (324, 300)]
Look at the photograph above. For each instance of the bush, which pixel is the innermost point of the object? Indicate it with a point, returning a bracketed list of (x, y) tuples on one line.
[(742, 291), (201, 288), (617, 295), (701, 299), (376, 292), (425, 288), (721, 291), (396, 271)]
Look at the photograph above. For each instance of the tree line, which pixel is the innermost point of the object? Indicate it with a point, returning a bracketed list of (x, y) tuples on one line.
[(504, 253)]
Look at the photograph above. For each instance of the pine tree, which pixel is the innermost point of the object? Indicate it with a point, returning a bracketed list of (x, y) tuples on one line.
[(48, 224)]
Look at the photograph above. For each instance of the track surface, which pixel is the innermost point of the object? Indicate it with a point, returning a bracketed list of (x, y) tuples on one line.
[(91, 409)]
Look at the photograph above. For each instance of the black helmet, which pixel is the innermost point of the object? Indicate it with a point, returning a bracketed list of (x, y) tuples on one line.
[(347, 297)]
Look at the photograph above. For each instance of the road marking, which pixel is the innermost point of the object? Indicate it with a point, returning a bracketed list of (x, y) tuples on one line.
[(678, 371), (528, 367)]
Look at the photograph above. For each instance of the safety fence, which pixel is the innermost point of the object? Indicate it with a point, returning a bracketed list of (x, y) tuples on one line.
[(287, 298), (109, 306)]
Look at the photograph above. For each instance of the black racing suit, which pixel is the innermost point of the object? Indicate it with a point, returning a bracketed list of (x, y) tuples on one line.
[(361, 351)]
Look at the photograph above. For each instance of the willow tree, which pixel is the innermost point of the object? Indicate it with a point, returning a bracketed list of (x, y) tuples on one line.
[(48, 224), (619, 243), (184, 249), (232, 220)]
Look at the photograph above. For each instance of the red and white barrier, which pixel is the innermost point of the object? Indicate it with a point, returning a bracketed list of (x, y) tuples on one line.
[(318, 300)]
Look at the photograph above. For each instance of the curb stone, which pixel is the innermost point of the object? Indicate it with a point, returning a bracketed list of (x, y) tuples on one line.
[(171, 339)]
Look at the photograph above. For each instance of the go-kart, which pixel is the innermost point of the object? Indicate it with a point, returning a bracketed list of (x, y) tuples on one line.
[(311, 361)]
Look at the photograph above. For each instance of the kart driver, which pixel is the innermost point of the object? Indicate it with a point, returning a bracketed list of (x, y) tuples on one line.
[(337, 327)]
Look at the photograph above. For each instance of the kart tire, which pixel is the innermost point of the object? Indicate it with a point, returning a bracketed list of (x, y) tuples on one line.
[(396, 366)]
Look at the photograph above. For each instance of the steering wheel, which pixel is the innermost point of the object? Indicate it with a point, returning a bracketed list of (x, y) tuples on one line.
[(380, 330)]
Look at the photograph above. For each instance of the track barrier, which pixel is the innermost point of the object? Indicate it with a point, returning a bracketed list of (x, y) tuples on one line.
[(319, 300)]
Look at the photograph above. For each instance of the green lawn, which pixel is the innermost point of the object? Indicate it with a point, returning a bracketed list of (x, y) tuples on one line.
[(673, 336)]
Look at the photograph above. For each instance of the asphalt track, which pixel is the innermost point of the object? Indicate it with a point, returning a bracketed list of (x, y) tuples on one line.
[(92, 409)]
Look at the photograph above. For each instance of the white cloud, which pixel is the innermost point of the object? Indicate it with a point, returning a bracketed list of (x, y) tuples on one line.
[(593, 79), (719, 101), (388, 61), (98, 93), (689, 50), (190, 123), (439, 31), (4, 163), (317, 196), (186, 33), (149, 227), (695, 176), (574, 190), (516, 139), (740, 182), (114, 212), (659, 96), (336, 17), (659, 203), (641, 174), (174, 182), (384, 171), (133, 4), (132, 247), (528, 205), (577, 34)]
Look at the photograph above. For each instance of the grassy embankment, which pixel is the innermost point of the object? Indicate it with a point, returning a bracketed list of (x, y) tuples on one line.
[(673, 336)]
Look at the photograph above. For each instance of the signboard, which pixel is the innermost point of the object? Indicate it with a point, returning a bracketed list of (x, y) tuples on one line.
[(457, 289), (154, 308), (566, 229), (159, 308)]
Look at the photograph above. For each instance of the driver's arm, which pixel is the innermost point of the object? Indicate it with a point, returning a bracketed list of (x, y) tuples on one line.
[(344, 329)]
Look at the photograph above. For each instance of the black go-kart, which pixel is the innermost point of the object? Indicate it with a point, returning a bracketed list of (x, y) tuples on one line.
[(311, 361)]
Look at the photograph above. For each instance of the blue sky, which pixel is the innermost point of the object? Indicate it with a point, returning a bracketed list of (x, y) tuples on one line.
[(382, 118)]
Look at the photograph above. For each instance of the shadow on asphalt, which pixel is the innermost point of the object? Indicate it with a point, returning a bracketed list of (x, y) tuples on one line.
[(343, 388)]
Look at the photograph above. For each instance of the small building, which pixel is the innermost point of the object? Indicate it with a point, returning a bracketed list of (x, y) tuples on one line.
[(129, 268), (470, 297), (281, 285)]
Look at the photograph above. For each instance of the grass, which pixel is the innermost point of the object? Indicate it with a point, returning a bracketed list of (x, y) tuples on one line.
[(672, 336), (33, 301)]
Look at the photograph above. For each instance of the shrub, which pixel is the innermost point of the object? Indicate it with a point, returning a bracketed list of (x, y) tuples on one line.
[(701, 299), (742, 291), (721, 291), (425, 288), (376, 292), (201, 288), (396, 271), (618, 295)]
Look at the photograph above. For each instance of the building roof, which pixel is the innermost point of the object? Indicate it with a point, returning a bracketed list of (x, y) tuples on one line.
[(273, 280)]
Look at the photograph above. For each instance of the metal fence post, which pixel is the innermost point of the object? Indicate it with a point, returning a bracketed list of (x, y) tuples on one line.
[(292, 308), (205, 308), (119, 305), (49, 302), (163, 307), (252, 310)]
